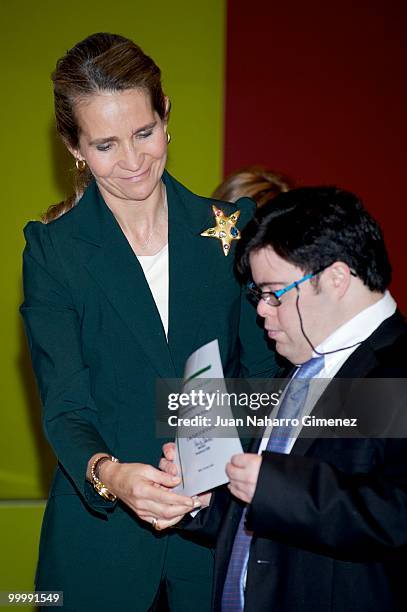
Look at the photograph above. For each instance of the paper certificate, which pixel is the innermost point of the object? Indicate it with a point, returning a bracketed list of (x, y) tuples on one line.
[(201, 458)]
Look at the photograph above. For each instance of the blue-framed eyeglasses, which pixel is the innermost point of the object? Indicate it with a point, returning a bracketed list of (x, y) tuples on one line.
[(272, 298)]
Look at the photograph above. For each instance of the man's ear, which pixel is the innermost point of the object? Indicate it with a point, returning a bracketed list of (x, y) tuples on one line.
[(339, 276)]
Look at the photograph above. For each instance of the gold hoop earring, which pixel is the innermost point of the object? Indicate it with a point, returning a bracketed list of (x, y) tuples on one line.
[(168, 138), (80, 165)]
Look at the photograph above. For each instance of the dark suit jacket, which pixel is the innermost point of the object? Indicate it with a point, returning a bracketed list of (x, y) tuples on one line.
[(330, 519), (98, 347)]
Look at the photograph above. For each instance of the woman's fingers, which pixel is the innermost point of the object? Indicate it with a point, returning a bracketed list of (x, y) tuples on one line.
[(169, 498), (204, 499), (154, 508), (147, 491), (161, 477), (169, 451), (168, 466), (162, 524)]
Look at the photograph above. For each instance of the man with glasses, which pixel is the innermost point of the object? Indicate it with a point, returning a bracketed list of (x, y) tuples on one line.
[(318, 524)]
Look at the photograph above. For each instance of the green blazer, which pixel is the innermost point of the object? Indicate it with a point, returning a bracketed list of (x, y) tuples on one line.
[(98, 346)]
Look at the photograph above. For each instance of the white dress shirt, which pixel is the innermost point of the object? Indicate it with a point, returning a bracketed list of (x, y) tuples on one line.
[(155, 268), (351, 334)]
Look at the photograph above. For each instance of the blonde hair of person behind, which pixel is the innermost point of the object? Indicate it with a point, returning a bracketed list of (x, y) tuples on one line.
[(100, 62), (254, 182)]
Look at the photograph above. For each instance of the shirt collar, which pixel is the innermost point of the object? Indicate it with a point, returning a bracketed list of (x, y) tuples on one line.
[(357, 329)]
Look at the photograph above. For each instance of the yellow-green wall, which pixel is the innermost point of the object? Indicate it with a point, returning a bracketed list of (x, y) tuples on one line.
[(186, 39)]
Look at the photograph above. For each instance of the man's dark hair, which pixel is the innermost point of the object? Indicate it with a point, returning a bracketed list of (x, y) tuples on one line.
[(312, 227)]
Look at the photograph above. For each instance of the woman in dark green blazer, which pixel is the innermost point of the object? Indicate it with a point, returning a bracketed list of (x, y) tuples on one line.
[(120, 287)]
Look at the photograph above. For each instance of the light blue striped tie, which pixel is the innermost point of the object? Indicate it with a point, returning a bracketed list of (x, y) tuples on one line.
[(279, 442)]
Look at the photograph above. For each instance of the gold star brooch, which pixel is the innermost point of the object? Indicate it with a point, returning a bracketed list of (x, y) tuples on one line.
[(225, 229)]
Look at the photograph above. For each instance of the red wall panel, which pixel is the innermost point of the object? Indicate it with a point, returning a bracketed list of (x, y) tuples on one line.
[(318, 91)]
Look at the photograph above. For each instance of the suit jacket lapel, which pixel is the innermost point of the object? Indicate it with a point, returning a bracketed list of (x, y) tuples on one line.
[(194, 264), (186, 259), (114, 266), (360, 363)]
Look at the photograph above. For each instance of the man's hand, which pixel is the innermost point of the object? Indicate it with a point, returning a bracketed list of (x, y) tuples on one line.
[(243, 472), (167, 465)]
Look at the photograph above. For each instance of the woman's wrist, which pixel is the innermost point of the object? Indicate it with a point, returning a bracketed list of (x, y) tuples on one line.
[(107, 469), (100, 486), (91, 462)]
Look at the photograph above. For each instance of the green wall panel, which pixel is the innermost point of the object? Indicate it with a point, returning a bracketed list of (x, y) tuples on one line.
[(20, 526)]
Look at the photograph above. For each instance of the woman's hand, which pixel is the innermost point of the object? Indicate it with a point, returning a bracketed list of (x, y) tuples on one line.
[(147, 491), (167, 465), (167, 462)]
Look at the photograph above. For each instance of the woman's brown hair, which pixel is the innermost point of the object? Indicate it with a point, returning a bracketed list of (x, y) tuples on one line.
[(253, 182), (101, 62)]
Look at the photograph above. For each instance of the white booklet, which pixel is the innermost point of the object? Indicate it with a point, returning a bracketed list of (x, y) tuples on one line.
[(201, 455)]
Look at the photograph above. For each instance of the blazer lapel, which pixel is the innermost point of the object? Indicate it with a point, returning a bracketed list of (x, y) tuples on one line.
[(192, 267), (117, 271), (360, 363)]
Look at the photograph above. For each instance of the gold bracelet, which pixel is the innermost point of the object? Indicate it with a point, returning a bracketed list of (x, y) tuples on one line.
[(98, 484)]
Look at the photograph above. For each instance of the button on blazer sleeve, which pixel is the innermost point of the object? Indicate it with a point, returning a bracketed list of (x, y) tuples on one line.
[(70, 417)]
